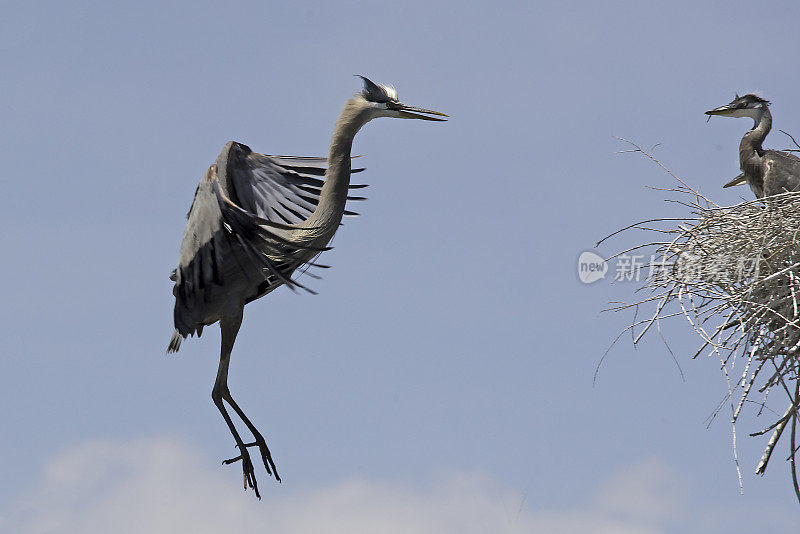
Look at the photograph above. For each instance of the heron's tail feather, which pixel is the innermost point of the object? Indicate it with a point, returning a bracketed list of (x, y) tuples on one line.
[(175, 342)]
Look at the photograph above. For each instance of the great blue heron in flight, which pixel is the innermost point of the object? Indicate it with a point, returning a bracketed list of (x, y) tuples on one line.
[(256, 219), (767, 172)]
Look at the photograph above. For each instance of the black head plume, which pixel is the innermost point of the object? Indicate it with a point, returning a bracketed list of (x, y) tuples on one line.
[(374, 92), (750, 98)]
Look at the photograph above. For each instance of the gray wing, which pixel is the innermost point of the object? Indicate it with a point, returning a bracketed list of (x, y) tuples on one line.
[(225, 250), (228, 246), (281, 189), (782, 172)]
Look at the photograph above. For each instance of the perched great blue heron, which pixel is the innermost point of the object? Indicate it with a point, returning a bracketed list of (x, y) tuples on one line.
[(254, 220), (767, 172)]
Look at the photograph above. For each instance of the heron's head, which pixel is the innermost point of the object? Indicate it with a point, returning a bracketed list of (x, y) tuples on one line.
[(750, 105), (381, 101)]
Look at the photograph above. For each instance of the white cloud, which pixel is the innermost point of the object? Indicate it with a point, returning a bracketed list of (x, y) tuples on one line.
[(155, 486), (646, 491)]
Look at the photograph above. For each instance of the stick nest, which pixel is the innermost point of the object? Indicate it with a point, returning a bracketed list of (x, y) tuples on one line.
[(734, 274)]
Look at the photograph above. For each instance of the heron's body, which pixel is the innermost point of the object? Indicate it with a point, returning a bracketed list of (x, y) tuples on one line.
[(767, 172), (220, 269), (256, 219)]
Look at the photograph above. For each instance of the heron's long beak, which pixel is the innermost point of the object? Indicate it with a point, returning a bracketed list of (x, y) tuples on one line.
[(722, 110), (736, 181), (408, 112)]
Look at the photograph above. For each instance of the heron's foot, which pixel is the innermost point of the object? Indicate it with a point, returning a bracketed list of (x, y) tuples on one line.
[(248, 473), (266, 456)]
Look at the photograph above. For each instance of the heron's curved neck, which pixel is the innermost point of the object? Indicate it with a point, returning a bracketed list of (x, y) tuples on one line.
[(328, 214), (750, 146)]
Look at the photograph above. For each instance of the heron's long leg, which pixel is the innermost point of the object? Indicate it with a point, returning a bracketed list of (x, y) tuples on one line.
[(266, 456), (230, 327)]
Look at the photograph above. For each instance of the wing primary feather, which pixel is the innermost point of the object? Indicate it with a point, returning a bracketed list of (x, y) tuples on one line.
[(260, 259), (239, 216), (312, 275), (241, 230)]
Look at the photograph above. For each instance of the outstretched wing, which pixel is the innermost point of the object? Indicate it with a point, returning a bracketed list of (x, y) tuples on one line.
[(225, 251), (281, 189), (232, 243)]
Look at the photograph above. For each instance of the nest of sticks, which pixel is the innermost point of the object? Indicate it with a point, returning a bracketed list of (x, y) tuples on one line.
[(734, 274)]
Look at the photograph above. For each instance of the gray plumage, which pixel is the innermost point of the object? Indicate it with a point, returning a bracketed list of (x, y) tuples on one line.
[(233, 235), (767, 172), (256, 220)]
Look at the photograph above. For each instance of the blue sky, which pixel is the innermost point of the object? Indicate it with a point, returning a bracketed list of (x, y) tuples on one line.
[(442, 379)]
